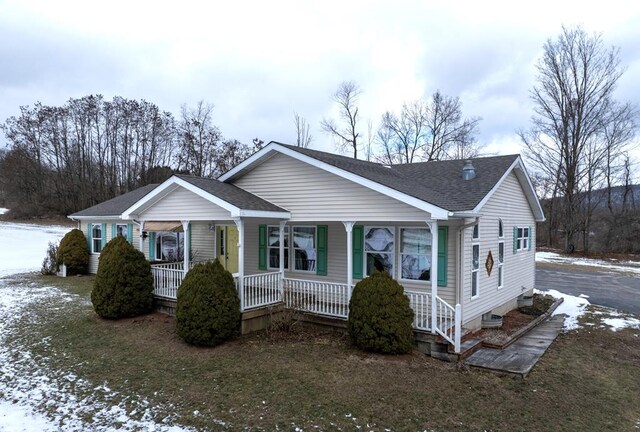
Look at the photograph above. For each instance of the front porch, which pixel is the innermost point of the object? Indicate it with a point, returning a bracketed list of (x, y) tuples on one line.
[(318, 298)]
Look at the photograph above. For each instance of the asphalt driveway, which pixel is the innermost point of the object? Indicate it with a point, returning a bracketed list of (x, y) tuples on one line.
[(607, 289)]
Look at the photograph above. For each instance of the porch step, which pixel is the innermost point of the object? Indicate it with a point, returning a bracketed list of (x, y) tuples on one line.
[(467, 347)]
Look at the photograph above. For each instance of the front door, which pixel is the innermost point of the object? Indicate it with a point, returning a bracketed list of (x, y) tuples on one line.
[(228, 247)]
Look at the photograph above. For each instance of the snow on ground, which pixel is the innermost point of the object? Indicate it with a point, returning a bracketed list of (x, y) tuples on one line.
[(24, 246), (612, 265), (573, 307), (25, 381), (3, 210)]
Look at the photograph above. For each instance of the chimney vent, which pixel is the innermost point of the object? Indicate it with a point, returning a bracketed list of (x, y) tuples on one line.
[(468, 171)]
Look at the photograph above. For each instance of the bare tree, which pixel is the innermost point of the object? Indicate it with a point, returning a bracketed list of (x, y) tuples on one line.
[(199, 140), (574, 106), (345, 131), (303, 136), (409, 131)]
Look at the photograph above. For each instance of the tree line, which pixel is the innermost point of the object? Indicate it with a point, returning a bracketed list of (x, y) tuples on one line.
[(63, 159)]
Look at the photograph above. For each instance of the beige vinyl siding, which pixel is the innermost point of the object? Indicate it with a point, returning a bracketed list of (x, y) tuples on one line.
[(312, 194), (182, 204), (509, 204), (202, 241), (94, 258), (337, 256)]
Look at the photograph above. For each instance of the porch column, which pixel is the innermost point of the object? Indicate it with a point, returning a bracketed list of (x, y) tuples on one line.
[(240, 224), (433, 226), (283, 225), (141, 238), (348, 227), (185, 246)]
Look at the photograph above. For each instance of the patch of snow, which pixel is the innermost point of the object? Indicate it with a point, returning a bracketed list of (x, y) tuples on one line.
[(583, 296), (573, 307), (621, 323), (619, 266), (3, 210), (25, 246)]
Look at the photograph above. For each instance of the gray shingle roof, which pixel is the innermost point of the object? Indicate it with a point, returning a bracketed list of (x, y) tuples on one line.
[(231, 194), (115, 206), (438, 182)]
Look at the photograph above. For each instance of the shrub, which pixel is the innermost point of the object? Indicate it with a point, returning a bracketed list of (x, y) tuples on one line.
[(73, 252), (380, 317), (208, 309), (50, 262), (124, 284)]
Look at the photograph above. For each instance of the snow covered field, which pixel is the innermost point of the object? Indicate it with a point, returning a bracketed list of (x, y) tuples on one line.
[(611, 265)]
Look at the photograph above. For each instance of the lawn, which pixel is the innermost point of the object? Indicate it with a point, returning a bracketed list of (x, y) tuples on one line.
[(311, 379)]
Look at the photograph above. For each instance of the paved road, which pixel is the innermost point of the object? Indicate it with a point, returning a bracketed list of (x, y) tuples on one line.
[(606, 289)]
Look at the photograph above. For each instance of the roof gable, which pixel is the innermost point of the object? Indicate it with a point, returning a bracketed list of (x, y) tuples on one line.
[(115, 206)]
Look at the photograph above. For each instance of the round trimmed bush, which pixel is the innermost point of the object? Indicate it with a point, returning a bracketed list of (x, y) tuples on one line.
[(124, 283), (208, 309), (380, 317), (73, 252)]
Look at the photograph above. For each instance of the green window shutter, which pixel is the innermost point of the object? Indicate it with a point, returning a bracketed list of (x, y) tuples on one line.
[(443, 243), (113, 231), (515, 239), (530, 236), (262, 247), (104, 234), (357, 235), (152, 246), (321, 246), (130, 233), (89, 229)]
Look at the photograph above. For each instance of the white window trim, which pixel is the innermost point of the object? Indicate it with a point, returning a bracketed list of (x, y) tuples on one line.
[(287, 266), (399, 255), (475, 272), (364, 248), (473, 231), (500, 225), (501, 264), (93, 239), (524, 240), (292, 249), (126, 230)]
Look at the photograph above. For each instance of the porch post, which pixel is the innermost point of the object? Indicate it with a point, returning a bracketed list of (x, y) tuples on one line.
[(185, 246), (240, 224), (141, 238), (348, 227), (283, 225), (433, 226)]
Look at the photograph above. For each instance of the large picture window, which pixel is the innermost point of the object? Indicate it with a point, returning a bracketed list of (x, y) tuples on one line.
[(273, 246), (415, 253), (378, 248), (169, 246), (304, 248), (122, 230), (96, 238)]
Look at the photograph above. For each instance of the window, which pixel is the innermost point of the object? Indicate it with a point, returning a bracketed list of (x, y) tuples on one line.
[(522, 238), (378, 249), (122, 230), (273, 246), (500, 264), (96, 238), (415, 253), (476, 231), (500, 228), (304, 248), (475, 265), (169, 246)]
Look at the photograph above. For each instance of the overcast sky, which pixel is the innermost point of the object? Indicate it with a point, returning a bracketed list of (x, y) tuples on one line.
[(258, 62)]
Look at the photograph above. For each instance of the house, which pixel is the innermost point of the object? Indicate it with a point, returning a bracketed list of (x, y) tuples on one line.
[(301, 227)]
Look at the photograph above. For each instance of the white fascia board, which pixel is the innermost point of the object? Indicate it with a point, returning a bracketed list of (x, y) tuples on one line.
[(111, 217), (528, 190), (263, 214), (148, 197), (436, 212)]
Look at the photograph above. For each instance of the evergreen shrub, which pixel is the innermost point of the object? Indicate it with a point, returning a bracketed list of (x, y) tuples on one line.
[(124, 283), (74, 253), (380, 317), (208, 309)]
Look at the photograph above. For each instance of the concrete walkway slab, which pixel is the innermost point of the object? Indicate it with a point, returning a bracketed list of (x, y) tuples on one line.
[(520, 357)]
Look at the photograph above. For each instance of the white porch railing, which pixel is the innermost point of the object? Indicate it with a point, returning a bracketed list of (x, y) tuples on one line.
[(317, 297), (167, 279), (448, 322), (420, 302), (262, 290)]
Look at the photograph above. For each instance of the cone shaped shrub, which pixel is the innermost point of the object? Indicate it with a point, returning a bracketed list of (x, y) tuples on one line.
[(380, 317), (208, 309), (124, 284), (74, 253)]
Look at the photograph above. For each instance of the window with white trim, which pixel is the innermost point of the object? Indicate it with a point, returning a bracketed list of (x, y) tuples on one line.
[(475, 266), (169, 246), (500, 228), (522, 238), (415, 253), (476, 231), (273, 247), (122, 230), (500, 254), (304, 248), (379, 249), (96, 238)]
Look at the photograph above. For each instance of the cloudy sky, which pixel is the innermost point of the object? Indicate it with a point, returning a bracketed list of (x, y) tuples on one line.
[(258, 62)]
